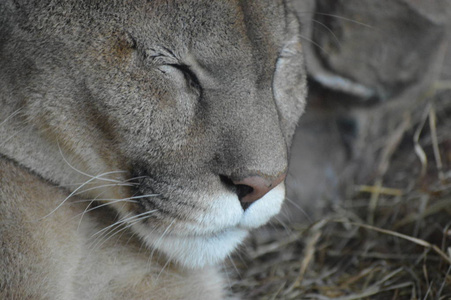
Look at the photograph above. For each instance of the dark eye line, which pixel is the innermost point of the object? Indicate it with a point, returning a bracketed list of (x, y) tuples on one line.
[(189, 75)]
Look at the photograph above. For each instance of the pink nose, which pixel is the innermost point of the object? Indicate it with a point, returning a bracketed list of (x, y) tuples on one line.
[(252, 188)]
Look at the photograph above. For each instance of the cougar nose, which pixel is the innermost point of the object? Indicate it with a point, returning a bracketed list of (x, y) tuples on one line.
[(252, 188)]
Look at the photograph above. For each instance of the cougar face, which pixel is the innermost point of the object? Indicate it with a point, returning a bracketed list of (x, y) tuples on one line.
[(178, 114)]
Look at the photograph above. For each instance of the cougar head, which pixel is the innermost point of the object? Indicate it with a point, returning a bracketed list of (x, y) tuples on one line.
[(178, 114)]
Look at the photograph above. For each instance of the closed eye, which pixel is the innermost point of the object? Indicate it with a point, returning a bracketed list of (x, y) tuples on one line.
[(165, 60), (190, 77)]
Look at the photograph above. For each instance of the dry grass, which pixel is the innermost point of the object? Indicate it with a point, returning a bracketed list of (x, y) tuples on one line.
[(389, 240)]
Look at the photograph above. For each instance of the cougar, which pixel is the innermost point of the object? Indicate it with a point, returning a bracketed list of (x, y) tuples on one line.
[(140, 141)]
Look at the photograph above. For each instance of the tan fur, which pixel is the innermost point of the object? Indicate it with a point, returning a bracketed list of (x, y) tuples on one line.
[(123, 125), (53, 258)]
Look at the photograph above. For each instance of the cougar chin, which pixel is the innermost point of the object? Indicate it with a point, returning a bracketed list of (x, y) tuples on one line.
[(214, 244)]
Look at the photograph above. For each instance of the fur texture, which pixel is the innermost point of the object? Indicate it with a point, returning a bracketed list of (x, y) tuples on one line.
[(122, 126)]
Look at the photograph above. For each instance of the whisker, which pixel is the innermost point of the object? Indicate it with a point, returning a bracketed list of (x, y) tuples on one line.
[(345, 19), (314, 43), (155, 245), (12, 136), (98, 240), (91, 200), (284, 225), (13, 114), (335, 16), (114, 200), (124, 221), (89, 175), (132, 235), (105, 232), (73, 184), (101, 231), (73, 193), (227, 275), (168, 260), (239, 254), (329, 30), (134, 178), (300, 209), (122, 182), (234, 266), (114, 231), (144, 196), (86, 209), (111, 201), (102, 186)]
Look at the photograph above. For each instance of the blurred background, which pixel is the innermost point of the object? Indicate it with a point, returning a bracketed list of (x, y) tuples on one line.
[(368, 210)]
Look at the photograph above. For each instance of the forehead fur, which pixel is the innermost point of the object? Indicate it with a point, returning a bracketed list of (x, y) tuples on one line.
[(244, 34)]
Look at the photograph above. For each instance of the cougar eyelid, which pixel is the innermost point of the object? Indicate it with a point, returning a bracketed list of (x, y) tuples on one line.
[(189, 75)]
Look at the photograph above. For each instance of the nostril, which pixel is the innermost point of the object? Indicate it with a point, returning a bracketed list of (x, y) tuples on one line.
[(240, 189), (243, 190), (256, 188), (250, 189)]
